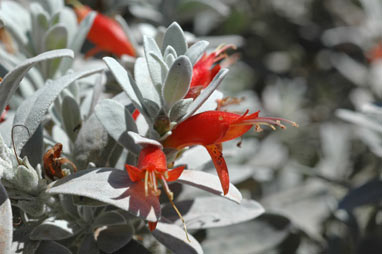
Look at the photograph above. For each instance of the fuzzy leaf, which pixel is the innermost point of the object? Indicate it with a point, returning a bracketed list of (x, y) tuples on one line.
[(153, 65), (174, 238), (108, 218), (88, 245), (177, 81), (55, 38), (52, 229), (144, 83), (210, 183), (111, 186), (6, 223), (215, 83), (78, 40), (179, 109), (208, 212), (140, 140), (117, 120), (196, 51), (31, 112), (13, 78), (114, 237), (174, 37), (71, 116)]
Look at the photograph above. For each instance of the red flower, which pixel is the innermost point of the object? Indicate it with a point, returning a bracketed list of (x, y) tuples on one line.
[(105, 33), (152, 165), (203, 72), (2, 117), (212, 128), (375, 53)]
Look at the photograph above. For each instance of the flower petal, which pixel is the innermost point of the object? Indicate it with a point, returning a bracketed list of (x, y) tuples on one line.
[(152, 225), (216, 153), (174, 174), (135, 174)]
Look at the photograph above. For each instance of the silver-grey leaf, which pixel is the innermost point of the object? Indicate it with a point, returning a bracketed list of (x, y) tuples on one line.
[(140, 140), (174, 238), (71, 117), (210, 183), (117, 120), (196, 51), (215, 83), (52, 229), (111, 186), (13, 78), (153, 65), (31, 112), (208, 212), (178, 81), (179, 109), (143, 80), (174, 37)]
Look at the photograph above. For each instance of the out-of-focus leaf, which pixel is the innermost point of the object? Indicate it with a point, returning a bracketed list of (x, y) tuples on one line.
[(174, 238), (111, 186), (55, 38), (71, 116), (13, 78), (52, 229), (210, 183), (208, 212), (78, 40), (34, 147), (117, 120), (178, 81), (40, 24), (31, 112), (114, 237), (6, 223), (174, 37), (195, 105), (48, 247), (257, 236), (368, 193), (196, 51)]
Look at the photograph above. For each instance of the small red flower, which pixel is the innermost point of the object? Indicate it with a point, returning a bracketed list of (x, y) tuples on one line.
[(204, 71), (3, 114), (105, 33), (152, 166), (212, 128), (375, 53)]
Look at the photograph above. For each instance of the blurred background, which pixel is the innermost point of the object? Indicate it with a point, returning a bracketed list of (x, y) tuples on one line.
[(316, 62)]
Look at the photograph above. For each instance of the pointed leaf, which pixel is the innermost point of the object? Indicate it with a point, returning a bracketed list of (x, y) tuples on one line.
[(111, 186), (32, 111), (71, 116), (177, 81), (207, 212), (174, 37), (153, 65), (215, 83), (55, 38), (144, 83), (174, 238), (196, 51), (142, 141), (13, 78), (117, 120), (6, 223), (210, 183)]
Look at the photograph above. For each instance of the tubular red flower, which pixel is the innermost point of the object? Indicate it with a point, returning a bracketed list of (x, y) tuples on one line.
[(203, 72), (152, 166), (211, 128), (105, 33)]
